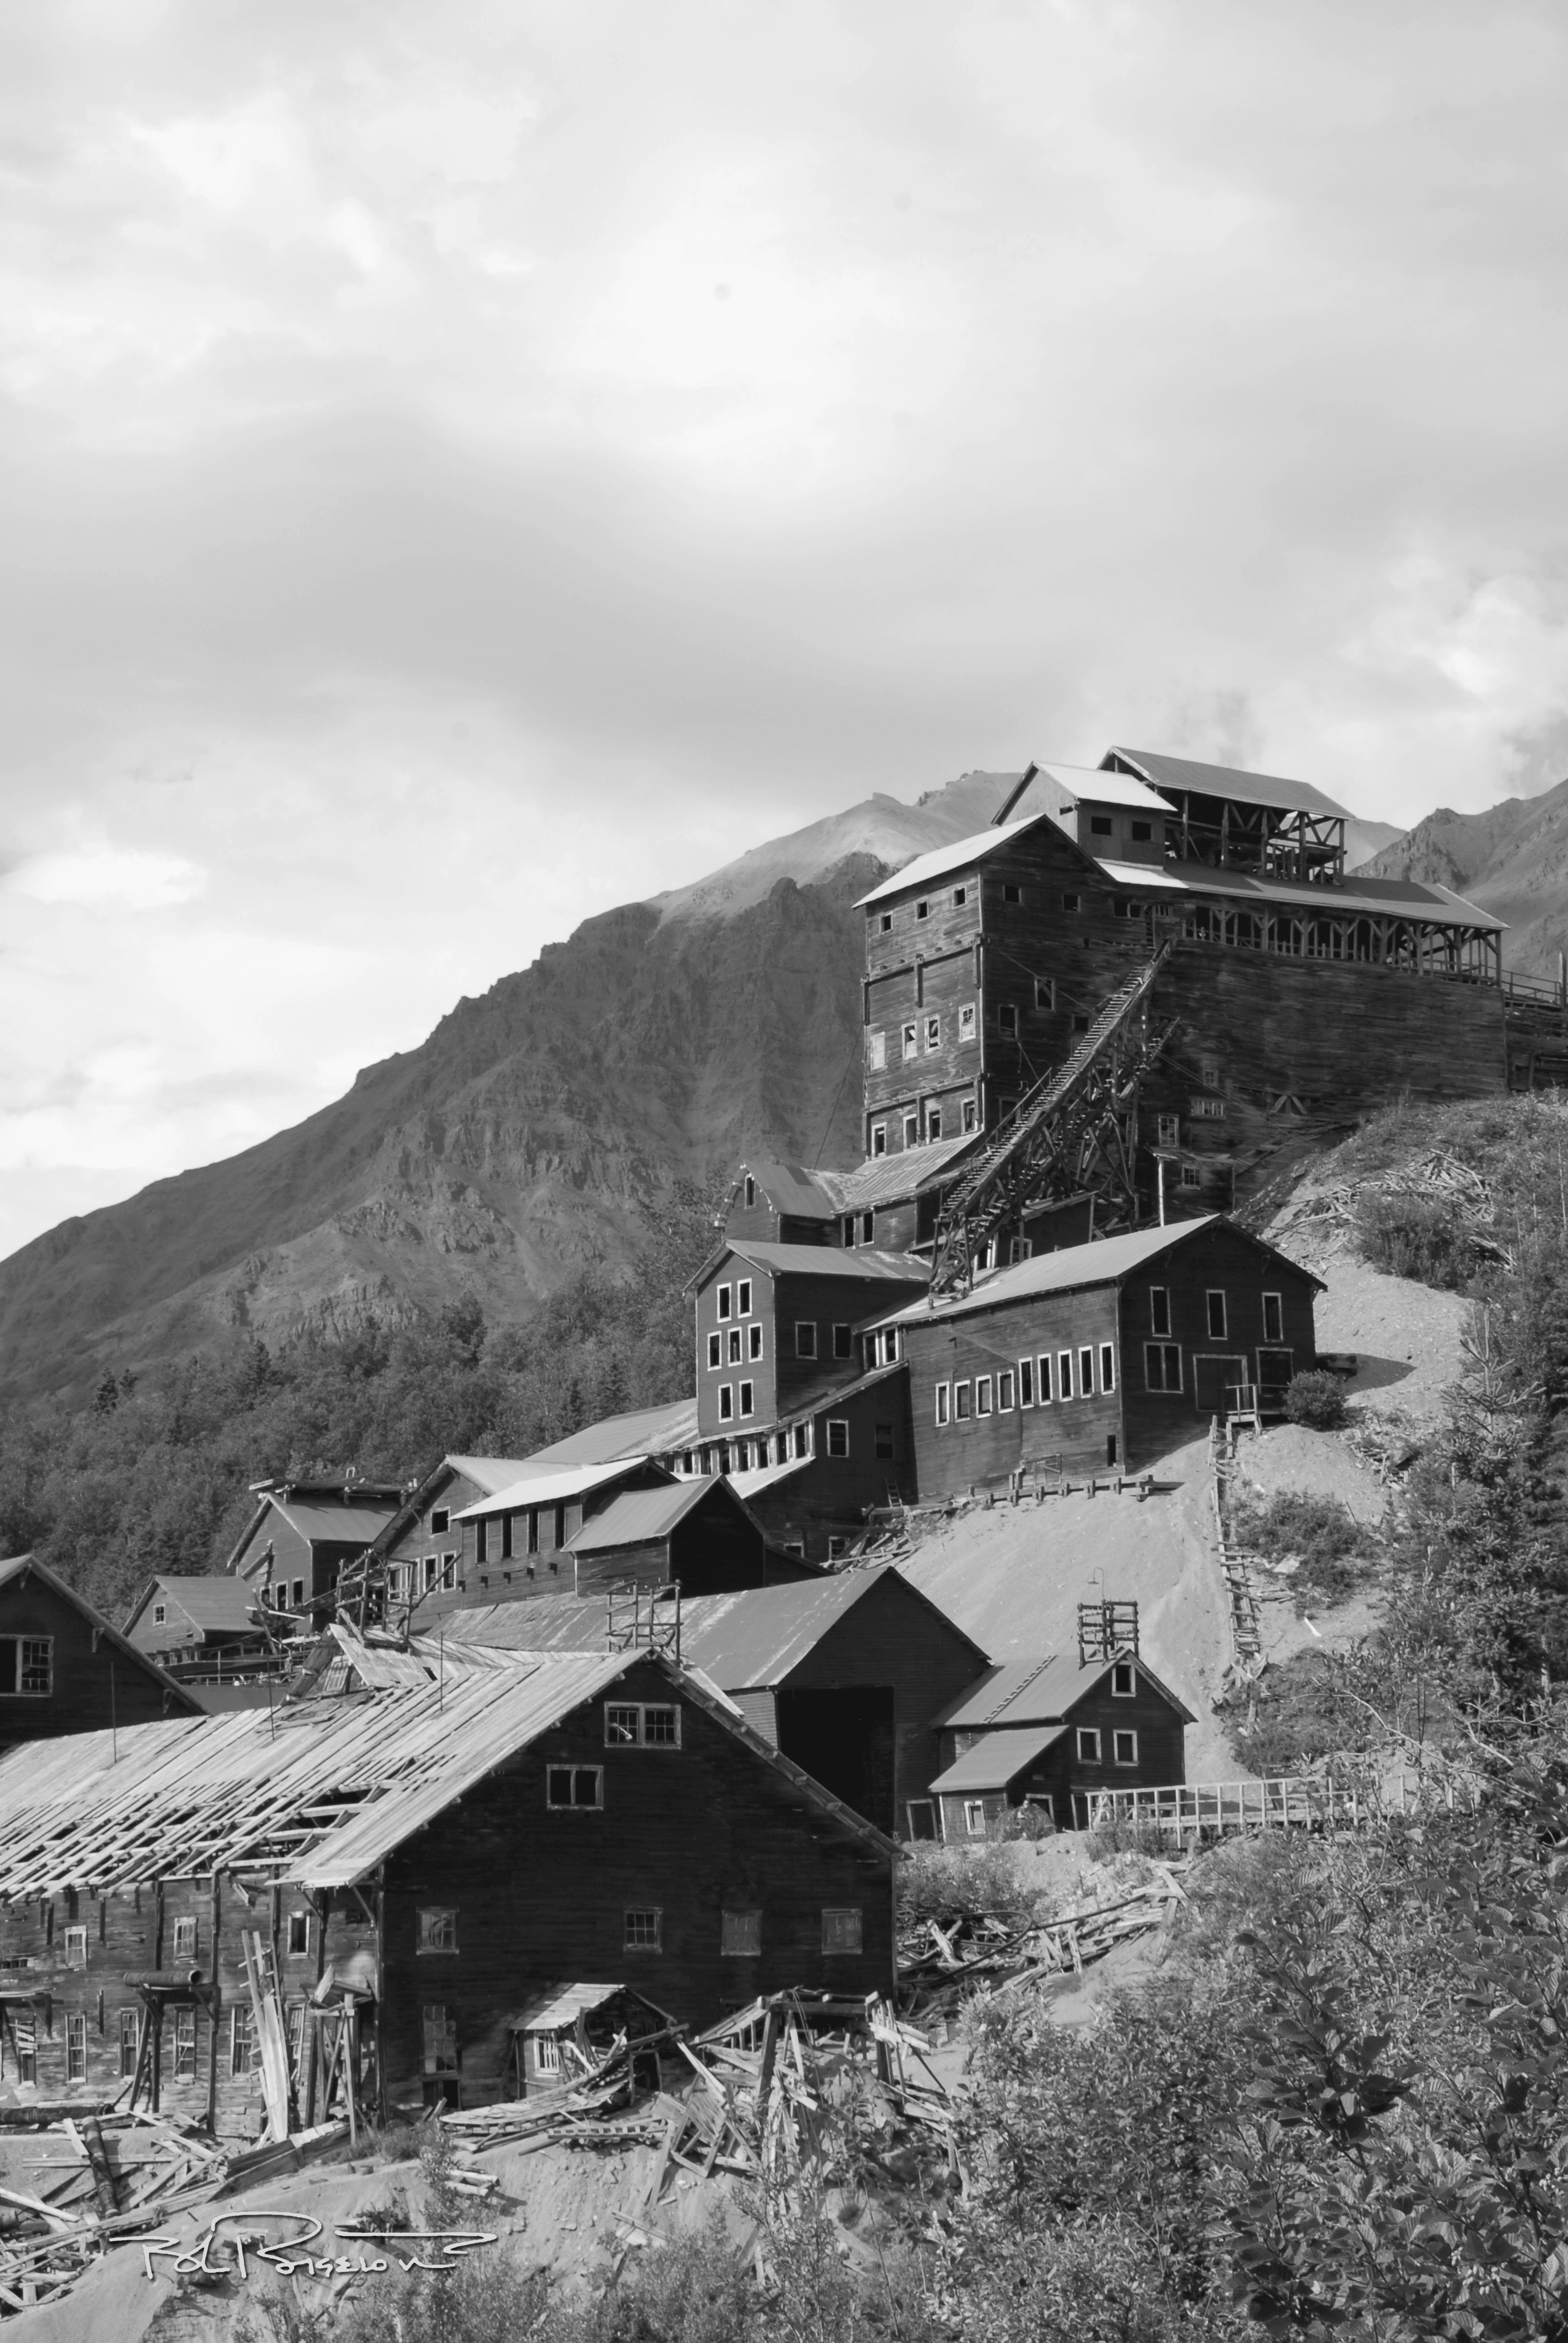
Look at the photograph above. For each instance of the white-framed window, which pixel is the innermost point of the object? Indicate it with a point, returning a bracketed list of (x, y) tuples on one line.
[(1124, 1680), (734, 1346), (1006, 1390), (726, 1301), (963, 1403), (1124, 1747), (428, 1570), (748, 1399), (1162, 1366), (982, 1395), (838, 1435), (933, 1032), (1160, 1309), (886, 922), (805, 1338), (754, 1339), (1026, 1382), (1208, 1074), (642, 1724), (725, 1403), (644, 1929), (911, 1130), (441, 1521), (1169, 1129), (574, 1789), (76, 1948), (299, 1935), (186, 1937), (449, 1561), (878, 1138), (130, 2039), (743, 1298), (1214, 1302), (1190, 1176), (877, 1049), (739, 1934), (1064, 1374), (842, 1928), (1209, 1110), (967, 1021), (27, 1665), (1045, 992), (436, 1928), (716, 1350), (1089, 1744), (75, 2046), (805, 1444), (974, 1817), (1085, 1373), (400, 1581), (972, 1114), (185, 2045), (1019, 1249), (933, 1123), (1107, 1367), (912, 1040), (1044, 1385), (944, 1403), (241, 2045), (547, 2055), (1273, 1318), (160, 1614), (1007, 1020)]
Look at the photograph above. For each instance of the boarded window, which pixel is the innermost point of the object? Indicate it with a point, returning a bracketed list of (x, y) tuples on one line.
[(841, 1927), (438, 1928), (568, 1786), (740, 1934), (1273, 1319), (1162, 1366), (441, 1521), (644, 1929), (838, 1436), (877, 1052), (440, 2030)]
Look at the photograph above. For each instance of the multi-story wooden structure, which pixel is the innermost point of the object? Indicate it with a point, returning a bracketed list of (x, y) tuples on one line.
[(303, 1536), (426, 1861), (62, 1667)]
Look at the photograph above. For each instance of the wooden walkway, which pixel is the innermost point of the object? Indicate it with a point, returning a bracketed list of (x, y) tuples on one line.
[(1185, 1810)]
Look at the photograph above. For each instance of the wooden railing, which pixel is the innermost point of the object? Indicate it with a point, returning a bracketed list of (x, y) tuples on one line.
[(1182, 1810)]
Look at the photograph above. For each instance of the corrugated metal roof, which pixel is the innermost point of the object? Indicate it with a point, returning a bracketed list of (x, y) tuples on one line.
[(945, 858), (802, 1194), (639, 1516), (543, 1623), (489, 1472), (329, 1524), (748, 1485), (830, 1261), (1225, 781), (557, 1488), (1085, 783), (888, 1178), (1037, 1692), (996, 1760), (1374, 898), (215, 1603), (1105, 1262), (562, 2006), (645, 1431)]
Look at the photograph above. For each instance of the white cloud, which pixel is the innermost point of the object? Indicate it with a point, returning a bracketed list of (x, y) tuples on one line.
[(101, 875)]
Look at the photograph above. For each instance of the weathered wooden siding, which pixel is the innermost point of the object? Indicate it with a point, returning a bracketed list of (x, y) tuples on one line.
[(822, 1507), (95, 1683), (1065, 1777), (957, 1456), (1217, 1259), (541, 1897)]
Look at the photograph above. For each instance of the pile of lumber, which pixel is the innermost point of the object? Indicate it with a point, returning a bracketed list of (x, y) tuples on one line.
[(938, 1966), (580, 2115), (103, 2178)]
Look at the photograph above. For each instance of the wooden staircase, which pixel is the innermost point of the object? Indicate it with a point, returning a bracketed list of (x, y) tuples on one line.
[(1067, 1134)]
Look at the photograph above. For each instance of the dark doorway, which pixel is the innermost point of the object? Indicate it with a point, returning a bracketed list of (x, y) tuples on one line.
[(1215, 1383), (844, 1741)]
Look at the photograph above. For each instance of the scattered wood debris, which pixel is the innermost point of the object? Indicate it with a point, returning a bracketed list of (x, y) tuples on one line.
[(937, 1965)]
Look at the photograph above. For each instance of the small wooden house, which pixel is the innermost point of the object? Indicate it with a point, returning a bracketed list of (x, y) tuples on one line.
[(697, 1532), (62, 1667), (301, 1537), (420, 1547), (1101, 1357), (517, 1541), (405, 1870), (1046, 1731), (203, 1628)]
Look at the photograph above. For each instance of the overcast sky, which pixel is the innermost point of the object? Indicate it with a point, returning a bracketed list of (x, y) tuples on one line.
[(464, 466)]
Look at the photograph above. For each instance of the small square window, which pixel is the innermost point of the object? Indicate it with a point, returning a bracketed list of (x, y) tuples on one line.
[(1142, 832), (437, 1930), (185, 1938), (887, 922), (748, 1399), (725, 1297), (1216, 1308), (1081, 1021), (716, 1350), (1100, 825), (1190, 1176), (960, 897), (838, 1436), (982, 1395), (1011, 894), (1124, 1680), (644, 1930), (441, 1521), (843, 1342), (1124, 1748), (944, 1403), (805, 1338), (740, 1934), (1089, 1744), (923, 911), (299, 1935), (1273, 1319), (568, 1788), (841, 1928), (1071, 902)]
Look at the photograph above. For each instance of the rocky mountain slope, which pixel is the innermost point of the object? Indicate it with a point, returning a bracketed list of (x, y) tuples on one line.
[(1511, 860), (538, 1131)]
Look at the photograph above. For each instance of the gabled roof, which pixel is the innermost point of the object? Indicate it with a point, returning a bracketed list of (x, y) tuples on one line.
[(645, 1431), (561, 2005), (556, 1488), (996, 1759), (1057, 789), (641, 1516), (1183, 774), (866, 1263), (1041, 1692), (489, 1472), (1105, 1262), (215, 1602), (888, 1178), (486, 1473), (317, 1794), (926, 868), (799, 1194), (320, 1518), (1415, 899), (19, 1567)]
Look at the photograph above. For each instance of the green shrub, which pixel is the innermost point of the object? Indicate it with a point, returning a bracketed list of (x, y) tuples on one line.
[(942, 1883), (1316, 1399), (1026, 1823), (1417, 1237), (1324, 1536)]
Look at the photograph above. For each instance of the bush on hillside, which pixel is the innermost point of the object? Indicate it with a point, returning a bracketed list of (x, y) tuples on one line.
[(1320, 1534), (1316, 1399), (1418, 1237), (942, 1883)]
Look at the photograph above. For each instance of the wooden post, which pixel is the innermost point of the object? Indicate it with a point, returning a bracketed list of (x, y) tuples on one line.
[(213, 2010)]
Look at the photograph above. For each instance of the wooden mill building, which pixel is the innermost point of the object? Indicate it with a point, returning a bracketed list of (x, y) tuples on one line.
[(62, 1667), (432, 1860)]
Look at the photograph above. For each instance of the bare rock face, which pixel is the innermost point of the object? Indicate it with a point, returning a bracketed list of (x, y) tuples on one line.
[(539, 1130), (1511, 860)]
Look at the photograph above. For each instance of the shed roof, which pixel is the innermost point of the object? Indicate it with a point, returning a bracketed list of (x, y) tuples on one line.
[(560, 2005), (1105, 1260), (944, 859), (325, 1523), (214, 1602), (642, 1516), (1040, 1692), (18, 1567), (554, 1488), (996, 1759), (888, 1178), (1413, 898), (802, 1194), (864, 1261), (1184, 774), (644, 1432), (317, 1795)]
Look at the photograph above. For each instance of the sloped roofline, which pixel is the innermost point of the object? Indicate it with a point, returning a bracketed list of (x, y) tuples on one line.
[(23, 1566)]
